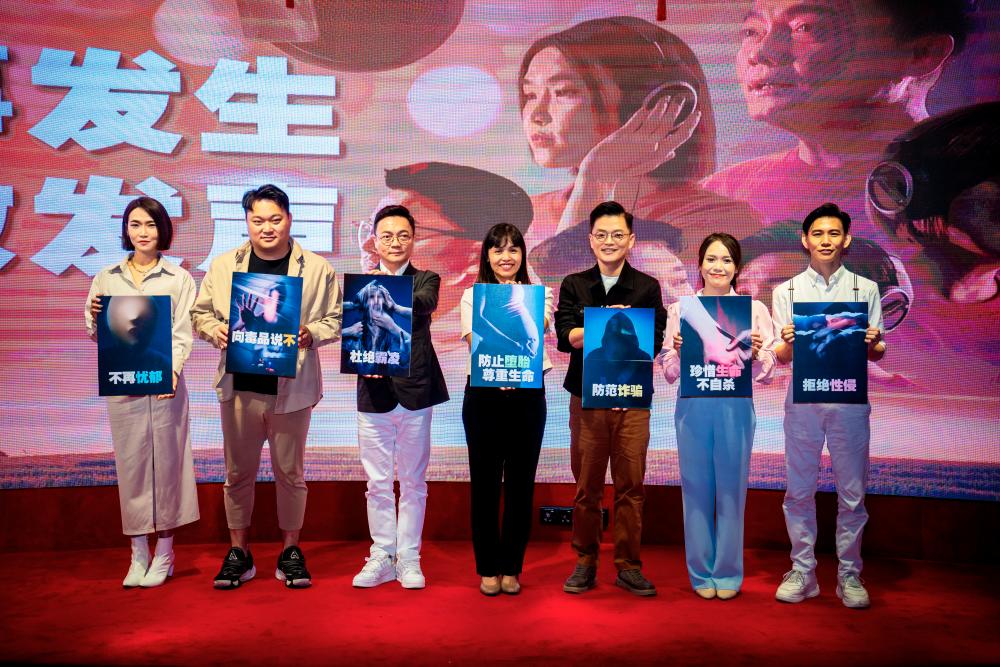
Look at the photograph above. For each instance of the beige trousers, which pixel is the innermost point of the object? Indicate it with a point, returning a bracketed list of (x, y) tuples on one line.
[(247, 421)]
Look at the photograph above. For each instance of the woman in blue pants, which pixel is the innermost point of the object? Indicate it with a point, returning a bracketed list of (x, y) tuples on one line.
[(715, 435)]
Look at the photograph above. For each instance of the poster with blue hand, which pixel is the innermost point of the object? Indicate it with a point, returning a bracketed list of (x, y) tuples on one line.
[(831, 359), (717, 350), (378, 325), (618, 357), (134, 356), (264, 315), (508, 323)]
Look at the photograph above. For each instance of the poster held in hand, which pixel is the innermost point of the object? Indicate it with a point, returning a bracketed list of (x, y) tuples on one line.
[(378, 325), (264, 315), (134, 346), (618, 357)]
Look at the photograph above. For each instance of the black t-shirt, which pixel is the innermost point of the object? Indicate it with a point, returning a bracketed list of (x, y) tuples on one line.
[(262, 384)]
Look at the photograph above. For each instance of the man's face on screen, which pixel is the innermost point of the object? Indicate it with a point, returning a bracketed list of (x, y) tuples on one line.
[(761, 275), (799, 61)]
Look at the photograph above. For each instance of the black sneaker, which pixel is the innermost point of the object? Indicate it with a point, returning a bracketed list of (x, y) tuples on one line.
[(634, 582), (292, 568), (237, 567), (584, 578)]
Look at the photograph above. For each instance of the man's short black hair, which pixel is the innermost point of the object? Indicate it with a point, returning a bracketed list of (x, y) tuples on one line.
[(394, 211), (610, 208), (827, 210), (913, 19), (268, 192), (474, 199)]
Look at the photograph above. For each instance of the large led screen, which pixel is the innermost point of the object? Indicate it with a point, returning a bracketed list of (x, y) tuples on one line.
[(472, 112)]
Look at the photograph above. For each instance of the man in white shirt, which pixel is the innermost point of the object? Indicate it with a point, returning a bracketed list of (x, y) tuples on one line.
[(844, 427)]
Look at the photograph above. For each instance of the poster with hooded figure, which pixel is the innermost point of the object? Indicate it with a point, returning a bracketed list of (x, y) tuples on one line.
[(618, 357)]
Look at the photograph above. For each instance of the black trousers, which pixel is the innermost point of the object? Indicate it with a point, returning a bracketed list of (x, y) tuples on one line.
[(503, 430)]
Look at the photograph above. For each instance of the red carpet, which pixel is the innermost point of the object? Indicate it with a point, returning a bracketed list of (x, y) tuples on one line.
[(69, 607)]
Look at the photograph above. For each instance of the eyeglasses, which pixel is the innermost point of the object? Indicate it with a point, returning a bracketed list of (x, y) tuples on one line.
[(386, 238), (617, 237)]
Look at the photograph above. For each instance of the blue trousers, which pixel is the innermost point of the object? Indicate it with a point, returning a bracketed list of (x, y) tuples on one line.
[(714, 439)]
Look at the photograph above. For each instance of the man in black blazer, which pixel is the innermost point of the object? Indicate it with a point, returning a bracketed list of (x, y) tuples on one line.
[(615, 434), (394, 420)]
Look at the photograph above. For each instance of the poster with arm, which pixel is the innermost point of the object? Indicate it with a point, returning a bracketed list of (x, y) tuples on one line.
[(264, 315), (134, 346), (831, 361), (378, 325), (508, 324), (716, 354), (618, 357)]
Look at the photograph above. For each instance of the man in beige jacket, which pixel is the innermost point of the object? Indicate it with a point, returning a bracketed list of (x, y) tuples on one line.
[(256, 408)]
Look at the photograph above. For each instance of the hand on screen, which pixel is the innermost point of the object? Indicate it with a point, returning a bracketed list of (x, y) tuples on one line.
[(677, 342), (788, 333), (648, 139), (366, 244)]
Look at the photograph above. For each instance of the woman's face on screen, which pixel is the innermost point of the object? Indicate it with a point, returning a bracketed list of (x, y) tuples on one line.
[(558, 116)]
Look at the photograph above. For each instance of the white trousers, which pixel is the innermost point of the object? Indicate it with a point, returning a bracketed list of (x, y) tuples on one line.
[(846, 431), (399, 439)]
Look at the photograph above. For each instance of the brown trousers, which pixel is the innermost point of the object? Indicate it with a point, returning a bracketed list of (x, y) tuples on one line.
[(247, 421), (597, 435)]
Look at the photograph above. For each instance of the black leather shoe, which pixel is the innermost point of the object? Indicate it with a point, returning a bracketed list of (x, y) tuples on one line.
[(634, 582), (584, 578)]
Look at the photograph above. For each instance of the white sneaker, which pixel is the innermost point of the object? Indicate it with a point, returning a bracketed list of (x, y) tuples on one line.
[(377, 570), (140, 563), (852, 593), (408, 574), (797, 586)]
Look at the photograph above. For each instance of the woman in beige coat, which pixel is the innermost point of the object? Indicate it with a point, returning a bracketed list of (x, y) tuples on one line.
[(150, 434)]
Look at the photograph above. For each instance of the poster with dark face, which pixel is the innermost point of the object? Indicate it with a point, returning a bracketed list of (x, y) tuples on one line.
[(507, 335), (264, 324), (831, 360), (134, 346), (378, 325), (618, 357), (716, 353)]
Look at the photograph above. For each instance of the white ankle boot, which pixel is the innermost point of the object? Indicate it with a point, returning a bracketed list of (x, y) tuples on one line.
[(140, 562), (162, 565)]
